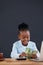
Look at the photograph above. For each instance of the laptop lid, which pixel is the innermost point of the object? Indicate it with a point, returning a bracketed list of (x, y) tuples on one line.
[(41, 52)]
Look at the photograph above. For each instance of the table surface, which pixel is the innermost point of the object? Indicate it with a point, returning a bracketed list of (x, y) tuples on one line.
[(10, 61)]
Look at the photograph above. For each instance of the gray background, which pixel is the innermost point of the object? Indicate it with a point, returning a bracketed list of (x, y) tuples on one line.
[(14, 12)]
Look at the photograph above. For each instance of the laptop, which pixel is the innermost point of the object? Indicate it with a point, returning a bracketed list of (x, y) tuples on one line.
[(40, 58)]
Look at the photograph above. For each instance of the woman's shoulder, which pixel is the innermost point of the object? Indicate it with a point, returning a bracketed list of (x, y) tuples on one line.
[(32, 42), (17, 42)]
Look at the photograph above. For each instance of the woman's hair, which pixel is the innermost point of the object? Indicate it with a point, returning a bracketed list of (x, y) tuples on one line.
[(23, 27)]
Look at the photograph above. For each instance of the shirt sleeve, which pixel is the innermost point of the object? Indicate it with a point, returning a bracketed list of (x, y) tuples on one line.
[(14, 53), (35, 48)]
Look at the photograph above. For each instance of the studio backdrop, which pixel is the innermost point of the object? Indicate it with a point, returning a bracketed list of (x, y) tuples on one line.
[(14, 12)]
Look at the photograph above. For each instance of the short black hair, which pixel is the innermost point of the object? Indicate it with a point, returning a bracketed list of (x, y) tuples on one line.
[(23, 27)]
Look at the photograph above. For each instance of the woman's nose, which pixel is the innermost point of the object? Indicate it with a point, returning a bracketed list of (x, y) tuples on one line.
[(26, 39)]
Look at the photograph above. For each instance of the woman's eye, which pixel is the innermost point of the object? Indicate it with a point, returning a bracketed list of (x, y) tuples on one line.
[(24, 37)]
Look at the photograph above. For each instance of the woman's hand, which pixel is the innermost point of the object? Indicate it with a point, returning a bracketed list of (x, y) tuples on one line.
[(34, 56), (23, 54)]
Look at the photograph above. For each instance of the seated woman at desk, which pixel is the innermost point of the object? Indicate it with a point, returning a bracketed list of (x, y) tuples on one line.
[(19, 47)]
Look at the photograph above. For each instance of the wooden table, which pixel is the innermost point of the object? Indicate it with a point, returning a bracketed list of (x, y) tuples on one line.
[(9, 61)]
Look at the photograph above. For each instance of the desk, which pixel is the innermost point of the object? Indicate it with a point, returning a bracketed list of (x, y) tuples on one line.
[(9, 61)]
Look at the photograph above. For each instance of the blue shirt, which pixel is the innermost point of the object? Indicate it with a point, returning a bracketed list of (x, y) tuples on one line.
[(18, 48)]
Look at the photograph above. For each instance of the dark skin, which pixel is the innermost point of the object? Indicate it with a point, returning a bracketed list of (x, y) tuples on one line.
[(24, 36)]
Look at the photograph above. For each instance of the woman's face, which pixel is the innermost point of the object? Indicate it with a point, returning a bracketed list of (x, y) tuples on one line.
[(24, 36)]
